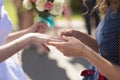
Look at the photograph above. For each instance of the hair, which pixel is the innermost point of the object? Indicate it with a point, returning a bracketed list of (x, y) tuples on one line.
[(103, 5)]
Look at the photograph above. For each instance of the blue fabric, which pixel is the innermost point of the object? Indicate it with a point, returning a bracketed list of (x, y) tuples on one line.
[(49, 21), (107, 36)]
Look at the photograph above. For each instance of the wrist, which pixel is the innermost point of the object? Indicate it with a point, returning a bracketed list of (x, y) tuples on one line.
[(29, 38), (33, 37), (28, 30), (82, 50), (83, 37), (87, 51), (23, 41)]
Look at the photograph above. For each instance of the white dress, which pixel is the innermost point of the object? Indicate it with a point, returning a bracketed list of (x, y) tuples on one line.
[(9, 70)]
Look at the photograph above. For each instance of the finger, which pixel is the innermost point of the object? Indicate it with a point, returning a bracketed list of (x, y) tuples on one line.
[(45, 48), (66, 38), (56, 44), (67, 33), (56, 40), (43, 25), (64, 33), (41, 30)]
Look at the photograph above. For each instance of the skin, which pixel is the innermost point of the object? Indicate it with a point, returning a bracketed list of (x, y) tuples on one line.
[(71, 45), (86, 39), (18, 40)]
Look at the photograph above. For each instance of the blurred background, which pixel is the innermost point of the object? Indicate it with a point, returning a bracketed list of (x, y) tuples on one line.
[(39, 65)]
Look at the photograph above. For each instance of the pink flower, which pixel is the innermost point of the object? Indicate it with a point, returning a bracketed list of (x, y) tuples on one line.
[(33, 1), (48, 5)]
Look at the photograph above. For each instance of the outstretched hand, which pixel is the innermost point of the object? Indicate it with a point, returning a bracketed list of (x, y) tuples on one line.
[(40, 40), (73, 33), (69, 46)]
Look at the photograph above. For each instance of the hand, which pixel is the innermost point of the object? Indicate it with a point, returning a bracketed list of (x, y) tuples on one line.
[(69, 46), (73, 33), (40, 40), (38, 27)]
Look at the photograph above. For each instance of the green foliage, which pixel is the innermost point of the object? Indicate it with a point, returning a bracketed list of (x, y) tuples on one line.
[(75, 5)]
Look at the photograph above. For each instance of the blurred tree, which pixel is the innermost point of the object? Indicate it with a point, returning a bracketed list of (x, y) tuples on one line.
[(75, 5), (25, 18)]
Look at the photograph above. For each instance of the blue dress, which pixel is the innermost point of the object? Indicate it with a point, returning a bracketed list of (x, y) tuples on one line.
[(107, 36)]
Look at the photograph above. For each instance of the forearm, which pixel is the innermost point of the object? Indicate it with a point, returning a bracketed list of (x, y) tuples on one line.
[(16, 35), (110, 70), (89, 41), (11, 48)]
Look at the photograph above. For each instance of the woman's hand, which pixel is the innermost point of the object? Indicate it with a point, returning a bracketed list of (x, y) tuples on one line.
[(69, 46), (83, 37), (73, 33), (38, 27), (37, 38), (40, 40)]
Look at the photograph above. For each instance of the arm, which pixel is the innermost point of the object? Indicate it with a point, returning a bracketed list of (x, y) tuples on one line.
[(89, 41), (71, 46), (16, 35), (18, 40), (111, 71), (37, 27), (12, 47)]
